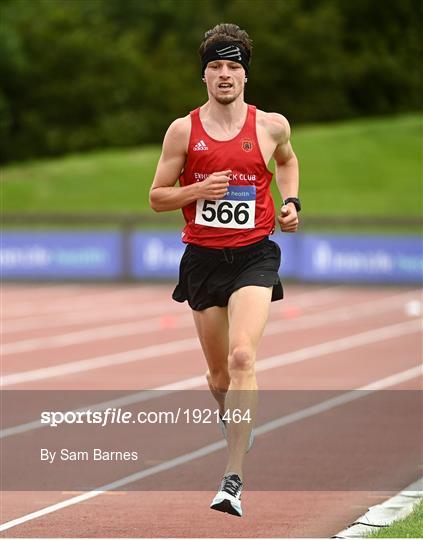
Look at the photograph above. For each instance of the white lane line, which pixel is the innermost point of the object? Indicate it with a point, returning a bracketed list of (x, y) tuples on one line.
[(344, 313), (25, 288), (98, 333), (22, 291), (308, 412), (336, 401), (308, 298), (272, 362), (139, 327), (19, 303), (56, 306), (345, 343), (134, 355), (25, 311), (340, 344), (46, 321), (31, 306)]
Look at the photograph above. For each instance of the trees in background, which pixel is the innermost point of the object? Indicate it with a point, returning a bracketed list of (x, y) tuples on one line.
[(83, 74)]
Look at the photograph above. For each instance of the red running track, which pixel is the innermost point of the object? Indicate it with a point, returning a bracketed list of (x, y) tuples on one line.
[(80, 337)]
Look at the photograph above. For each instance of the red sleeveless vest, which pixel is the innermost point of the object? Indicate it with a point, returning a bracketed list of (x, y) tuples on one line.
[(246, 214)]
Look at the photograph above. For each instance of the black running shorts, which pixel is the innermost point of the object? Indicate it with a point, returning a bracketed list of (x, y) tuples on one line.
[(208, 277)]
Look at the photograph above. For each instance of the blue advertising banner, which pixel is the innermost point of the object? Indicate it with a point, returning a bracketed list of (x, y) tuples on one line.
[(289, 248), (156, 255), (61, 255), (307, 257), (361, 259)]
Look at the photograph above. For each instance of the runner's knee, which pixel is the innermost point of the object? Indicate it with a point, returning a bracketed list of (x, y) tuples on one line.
[(241, 360)]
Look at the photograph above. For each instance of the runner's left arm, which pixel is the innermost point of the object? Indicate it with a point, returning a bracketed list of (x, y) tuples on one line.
[(287, 173)]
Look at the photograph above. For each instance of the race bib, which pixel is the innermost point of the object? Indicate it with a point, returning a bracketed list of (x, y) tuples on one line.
[(236, 210)]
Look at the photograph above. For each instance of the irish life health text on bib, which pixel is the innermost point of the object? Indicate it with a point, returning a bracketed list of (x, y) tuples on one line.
[(236, 210)]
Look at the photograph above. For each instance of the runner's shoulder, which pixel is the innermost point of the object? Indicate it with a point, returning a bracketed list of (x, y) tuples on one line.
[(275, 124), (179, 131), (180, 127)]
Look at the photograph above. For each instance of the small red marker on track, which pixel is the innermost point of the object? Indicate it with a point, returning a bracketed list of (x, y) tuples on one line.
[(291, 312), (168, 321)]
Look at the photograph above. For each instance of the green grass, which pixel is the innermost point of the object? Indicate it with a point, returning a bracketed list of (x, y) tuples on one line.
[(409, 527), (115, 180), (367, 167), (371, 167)]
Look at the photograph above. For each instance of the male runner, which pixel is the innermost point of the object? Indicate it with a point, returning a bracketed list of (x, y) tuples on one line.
[(229, 271)]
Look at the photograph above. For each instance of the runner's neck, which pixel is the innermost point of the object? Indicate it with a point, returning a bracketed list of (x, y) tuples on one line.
[(228, 118)]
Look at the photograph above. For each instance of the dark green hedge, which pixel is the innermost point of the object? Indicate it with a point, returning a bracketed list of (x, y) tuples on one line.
[(82, 74)]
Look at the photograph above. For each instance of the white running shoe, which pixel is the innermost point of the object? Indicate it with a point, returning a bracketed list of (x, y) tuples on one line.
[(224, 430), (228, 498)]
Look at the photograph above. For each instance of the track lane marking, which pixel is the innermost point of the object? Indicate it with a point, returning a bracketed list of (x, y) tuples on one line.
[(307, 353), (86, 301), (191, 344), (307, 412), (97, 362), (320, 296), (105, 332), (90, 315), (98, 333), (63, 304), (183, 345)]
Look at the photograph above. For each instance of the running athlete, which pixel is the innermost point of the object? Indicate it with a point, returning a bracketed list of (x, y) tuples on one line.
[(229, 270)]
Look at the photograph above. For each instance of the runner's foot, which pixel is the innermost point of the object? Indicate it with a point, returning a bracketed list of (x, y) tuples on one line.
[(228, 498)]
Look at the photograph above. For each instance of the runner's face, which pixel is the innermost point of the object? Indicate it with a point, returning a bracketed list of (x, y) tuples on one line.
[(225, 80)]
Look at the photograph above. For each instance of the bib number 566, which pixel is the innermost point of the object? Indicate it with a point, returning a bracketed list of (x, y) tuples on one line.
[(225, 212)]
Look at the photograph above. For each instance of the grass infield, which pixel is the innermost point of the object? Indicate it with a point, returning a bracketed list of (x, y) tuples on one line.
[(365, 167), (409, 527)]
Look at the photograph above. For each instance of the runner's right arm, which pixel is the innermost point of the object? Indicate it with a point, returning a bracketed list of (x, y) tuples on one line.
[(165, 195)]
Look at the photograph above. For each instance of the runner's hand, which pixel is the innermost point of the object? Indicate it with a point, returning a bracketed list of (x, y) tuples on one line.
[(288, 218), (215, 186)]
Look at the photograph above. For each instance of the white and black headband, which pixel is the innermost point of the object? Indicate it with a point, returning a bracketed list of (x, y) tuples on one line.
[(225, 50)]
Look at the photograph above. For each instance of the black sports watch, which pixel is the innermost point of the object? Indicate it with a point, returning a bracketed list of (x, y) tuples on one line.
[(294, 201)]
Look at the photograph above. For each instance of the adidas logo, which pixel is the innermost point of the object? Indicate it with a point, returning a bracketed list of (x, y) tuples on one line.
[(201, 145)]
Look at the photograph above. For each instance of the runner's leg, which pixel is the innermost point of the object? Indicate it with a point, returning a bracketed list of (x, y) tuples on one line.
[(212, 329), (248, 310)]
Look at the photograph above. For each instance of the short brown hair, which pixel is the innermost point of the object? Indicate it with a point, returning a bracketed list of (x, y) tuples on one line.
[(226, 32)]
